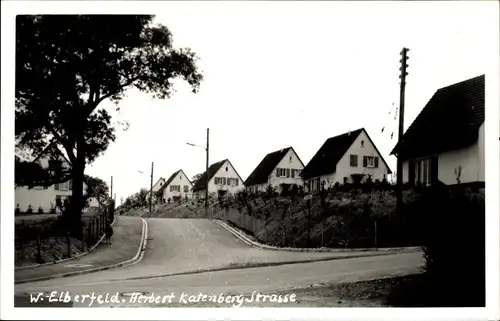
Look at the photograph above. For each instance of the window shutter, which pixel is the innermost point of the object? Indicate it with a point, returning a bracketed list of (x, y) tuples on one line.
[(434, 170), (293, 173), (376, 161), (288, 172), (411, 172), (365, 161)]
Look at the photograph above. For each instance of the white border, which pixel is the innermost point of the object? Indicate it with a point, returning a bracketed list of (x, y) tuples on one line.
[(11, 8)]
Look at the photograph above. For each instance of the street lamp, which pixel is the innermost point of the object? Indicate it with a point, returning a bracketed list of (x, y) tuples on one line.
[(206, 171)]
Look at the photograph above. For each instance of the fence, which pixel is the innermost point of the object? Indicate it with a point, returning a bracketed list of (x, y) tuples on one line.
[(49, 240), (290, 228)]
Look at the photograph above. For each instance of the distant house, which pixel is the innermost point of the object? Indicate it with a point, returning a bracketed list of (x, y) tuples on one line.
[(280, 169), (176, 187), (156, 187), (446, 140), (223, 179), (93, 205), (342, 156), (48, 198)]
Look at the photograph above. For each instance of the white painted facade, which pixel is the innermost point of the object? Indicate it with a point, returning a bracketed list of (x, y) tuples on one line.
[(470, 159), (226, 179), (179, 187), (289, 169), (156, 187), (361, 147), (44, 197)]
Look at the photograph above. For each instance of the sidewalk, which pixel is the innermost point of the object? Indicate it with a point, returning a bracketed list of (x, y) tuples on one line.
[(126, 241)]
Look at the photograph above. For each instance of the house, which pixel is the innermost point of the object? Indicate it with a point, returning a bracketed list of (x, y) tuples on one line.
[(446, 140), (280, 169), (156, 187), (222, 179), (46, 198), (342, 156), (177, 186), (93, 205)]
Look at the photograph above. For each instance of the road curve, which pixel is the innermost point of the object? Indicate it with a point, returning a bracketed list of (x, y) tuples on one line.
[(185, 245)]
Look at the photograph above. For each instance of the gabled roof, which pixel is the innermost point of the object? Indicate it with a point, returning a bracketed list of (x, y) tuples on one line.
[(326, 159), (261, 173), (450, 120), (201, 183), (170, 179)]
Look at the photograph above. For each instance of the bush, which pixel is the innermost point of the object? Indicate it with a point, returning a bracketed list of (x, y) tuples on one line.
[(40, 210), (453, 230), (30, 210)]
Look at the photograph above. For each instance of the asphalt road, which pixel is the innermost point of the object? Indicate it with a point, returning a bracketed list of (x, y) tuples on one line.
[(179, 246)]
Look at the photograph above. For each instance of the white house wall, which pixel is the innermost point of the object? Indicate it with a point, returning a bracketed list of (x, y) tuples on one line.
[(344, 168), (470, 159), (181, 180), (39, 197), (286, 162), (230, 173)]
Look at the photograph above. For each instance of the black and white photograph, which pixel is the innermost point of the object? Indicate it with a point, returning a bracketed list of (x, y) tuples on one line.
[(250, 154)]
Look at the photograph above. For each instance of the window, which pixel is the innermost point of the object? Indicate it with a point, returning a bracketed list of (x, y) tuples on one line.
[(411, 172), (58, 200), (362, 143), (175, 188), (424, 171), (161, 183), (224, 180), (186, 188), (281, 172), (226, 168), (427, 170), (290, 159), (181, 176), (63, 186), (368, 161), (354, 160)]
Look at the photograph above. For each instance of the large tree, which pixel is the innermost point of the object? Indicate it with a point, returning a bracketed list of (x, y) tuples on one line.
[(66, 66)]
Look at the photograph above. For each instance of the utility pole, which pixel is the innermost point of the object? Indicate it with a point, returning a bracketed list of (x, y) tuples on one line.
[(151, 189), (399, 187), (208, 177)]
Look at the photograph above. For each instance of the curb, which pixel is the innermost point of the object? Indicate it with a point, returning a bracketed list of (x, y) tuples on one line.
[(136, 259), (252, 243), (68, 259)]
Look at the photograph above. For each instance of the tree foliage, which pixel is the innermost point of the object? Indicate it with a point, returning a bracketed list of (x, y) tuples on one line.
[(66, 66), (97, 188), (196, 178)]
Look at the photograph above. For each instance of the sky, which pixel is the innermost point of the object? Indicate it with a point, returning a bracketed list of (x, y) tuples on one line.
[(292, 74)]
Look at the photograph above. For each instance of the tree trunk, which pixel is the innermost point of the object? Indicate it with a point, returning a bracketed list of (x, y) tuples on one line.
[(77, 201)]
